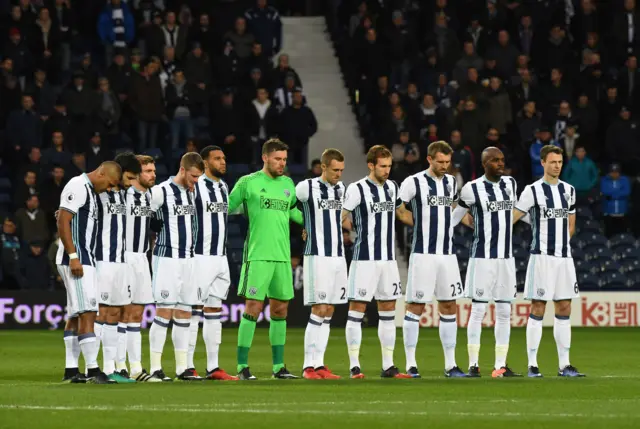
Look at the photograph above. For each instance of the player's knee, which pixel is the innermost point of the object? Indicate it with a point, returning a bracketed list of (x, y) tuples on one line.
[(134, 313), (358, 306), (386, 305), (538, 308), (112, 314), (72, 324), (563, 308), (320, 310), (447, 308), (478, 310), (212, 309), (253, 308), (415, 308), (280, 312), (164, 312)]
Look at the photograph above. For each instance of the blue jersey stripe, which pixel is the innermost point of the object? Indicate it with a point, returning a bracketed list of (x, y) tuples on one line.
[(416, 209), (361, 220), (495, 222), (478, 230), (446, 243), (377, 230), (508, 218), (338, 219), (565, 222), (326, 219), (551, 225), (390, 222), (433, 218)]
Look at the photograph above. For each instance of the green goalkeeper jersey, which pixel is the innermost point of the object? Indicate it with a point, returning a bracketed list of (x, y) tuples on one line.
[(269, 203)]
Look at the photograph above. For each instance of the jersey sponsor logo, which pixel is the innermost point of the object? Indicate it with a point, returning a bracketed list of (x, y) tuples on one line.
[(217, 207), (274, 204), (183, 210), (559, 213), (496, 206), (116, 209), (141, 211), (434, 200), (329, 204), (383, 206)]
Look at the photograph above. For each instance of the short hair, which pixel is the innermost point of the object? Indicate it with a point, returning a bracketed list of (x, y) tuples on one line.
[(440, 146), (273, 145), (145, 159), (376, 152), (330, 155), (192, 160), (128, 162), (546, 150), (204, 153), (315, 162)]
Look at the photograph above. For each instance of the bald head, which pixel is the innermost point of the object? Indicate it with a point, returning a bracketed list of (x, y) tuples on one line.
[(111, 168), (108, 175), (493, 163)]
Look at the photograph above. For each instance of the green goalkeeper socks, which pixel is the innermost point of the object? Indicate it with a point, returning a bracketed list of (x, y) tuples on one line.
[(245, 338), (277, 337)]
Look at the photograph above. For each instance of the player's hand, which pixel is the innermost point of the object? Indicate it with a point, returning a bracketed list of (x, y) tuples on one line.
[(347, 224), (304, 235), (76, 268), (57, 214), (468, 220)]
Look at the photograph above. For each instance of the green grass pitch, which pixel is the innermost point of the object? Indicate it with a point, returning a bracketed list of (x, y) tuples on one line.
[(31, 396)]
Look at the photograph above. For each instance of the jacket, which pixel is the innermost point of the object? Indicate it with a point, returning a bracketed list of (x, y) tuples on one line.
[(583, 175), (105, 25), (615, 194), (266, 26)]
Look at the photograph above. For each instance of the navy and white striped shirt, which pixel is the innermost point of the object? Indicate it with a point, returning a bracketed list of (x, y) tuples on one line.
[(322, 211), (112, 214), (175, 208), (79, 198), (491, 205), (430, 199), (139, 215), (549, 207), (212, 209), (374, 215)]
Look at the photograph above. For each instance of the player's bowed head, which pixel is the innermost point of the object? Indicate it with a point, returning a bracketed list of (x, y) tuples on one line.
[(191, 168), (332, 164), (107, 175), (379, 161), (131, 168), (274, 157)]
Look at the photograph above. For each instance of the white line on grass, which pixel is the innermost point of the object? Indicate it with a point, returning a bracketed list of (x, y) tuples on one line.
[(15, 407)]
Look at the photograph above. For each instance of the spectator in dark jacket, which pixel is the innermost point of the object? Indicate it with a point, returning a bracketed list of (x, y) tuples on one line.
[(179, 106), (116, 27), (265, 24), (96, 153), (298, 125), (206, 35), (229, 128), (24, 127), (197, 69), (615, 189), (119, 75), (58, 121), (27, 187), (32, 221), (11, 255), (262, 122), (146, 101), (57, 154), (45, 44), (43, 94), (35, 266), (18, 50), (462, 158), (529, 120), (79, 97), (64, 19), (51, 191), (108, 110), (623, 140), (241, 39)]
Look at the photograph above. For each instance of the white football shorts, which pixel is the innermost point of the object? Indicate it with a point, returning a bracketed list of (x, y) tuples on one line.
[(374, 279), (491, 279), (139, 278), (173, 282), (433, 275), (112, 283), (213, 278), (82, 292), (324, 280), (550, 278)]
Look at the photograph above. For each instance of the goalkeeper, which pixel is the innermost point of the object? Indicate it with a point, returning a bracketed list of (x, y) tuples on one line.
[(268, 199)]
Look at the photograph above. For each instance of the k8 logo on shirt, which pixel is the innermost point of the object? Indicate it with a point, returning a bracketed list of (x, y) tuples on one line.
[(116, 209), (434, 200), (217, 207), (329, 204), (551, 213), (274, 204), (183, 210)]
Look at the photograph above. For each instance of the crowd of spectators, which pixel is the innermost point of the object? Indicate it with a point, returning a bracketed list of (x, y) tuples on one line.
[(81, 80), (515, 74)]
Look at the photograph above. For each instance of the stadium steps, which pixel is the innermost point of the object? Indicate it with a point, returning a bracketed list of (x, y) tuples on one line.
[(311, 54)]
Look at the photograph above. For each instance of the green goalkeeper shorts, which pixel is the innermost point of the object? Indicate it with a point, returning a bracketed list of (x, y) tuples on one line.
[(260, 279)]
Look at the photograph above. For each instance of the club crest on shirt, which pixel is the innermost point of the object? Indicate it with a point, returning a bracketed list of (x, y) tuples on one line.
[(509, 192), (287, 193), (567, 196), (449, 188)]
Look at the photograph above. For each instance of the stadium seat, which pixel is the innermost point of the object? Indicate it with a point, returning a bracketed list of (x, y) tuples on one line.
[(155, 153), (613, 281), (584, 212), (577, 254), (5, 199), (598, 254), (235, 256), (5, 184), (462, 264), (161, 170), (591, 226), (610, 266), (462, 253), (518, 242), (588, 278), (582, 265), (625, 240), (238, 169), (233, 230), (297, 169), (519, 253), (235, 243), (631, 266), (521, 265)]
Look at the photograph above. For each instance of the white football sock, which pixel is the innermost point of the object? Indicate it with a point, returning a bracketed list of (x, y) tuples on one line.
[(134, 347), (109, 347), (323, 341), (71, 349), (562, 334), (180, 338), (448, 336), (121, 355), (474, 331), (311, 335), (89, 347), (196, 315), (502, 332), (212, 335), (97, 329), (387, 336), (534, 335), (157, 338), (410, 333), (353, 333)]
